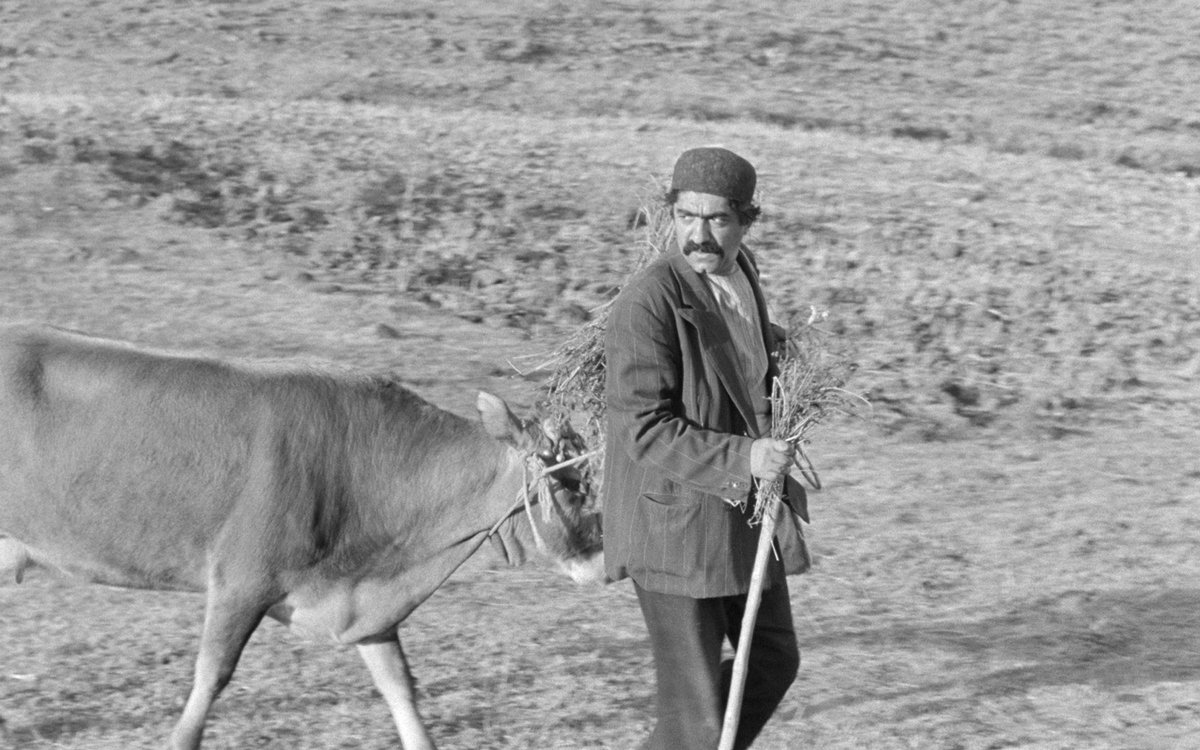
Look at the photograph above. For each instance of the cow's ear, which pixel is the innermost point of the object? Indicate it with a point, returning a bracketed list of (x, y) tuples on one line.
[(498, 419)]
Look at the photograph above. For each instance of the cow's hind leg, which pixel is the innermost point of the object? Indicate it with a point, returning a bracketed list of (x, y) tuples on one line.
[(229, 620), (389, 669)]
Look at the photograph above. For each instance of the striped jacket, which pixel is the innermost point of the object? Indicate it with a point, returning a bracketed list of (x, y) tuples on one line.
[(680, 423)]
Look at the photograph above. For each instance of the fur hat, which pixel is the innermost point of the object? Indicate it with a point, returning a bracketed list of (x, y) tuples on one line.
[(716, 171)]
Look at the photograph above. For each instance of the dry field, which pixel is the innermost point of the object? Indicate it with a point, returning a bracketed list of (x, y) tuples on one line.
[(998, 203)]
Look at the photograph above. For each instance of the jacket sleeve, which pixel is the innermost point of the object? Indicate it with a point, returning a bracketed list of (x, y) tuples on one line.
[(644, 387)]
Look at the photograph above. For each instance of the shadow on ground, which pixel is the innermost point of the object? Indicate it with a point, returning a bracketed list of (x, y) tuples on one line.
[(1110, 639)]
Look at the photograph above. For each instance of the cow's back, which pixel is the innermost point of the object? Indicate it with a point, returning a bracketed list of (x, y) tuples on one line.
[(119, 464)]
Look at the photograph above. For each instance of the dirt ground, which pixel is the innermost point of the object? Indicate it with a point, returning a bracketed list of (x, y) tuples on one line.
[(996, 203)]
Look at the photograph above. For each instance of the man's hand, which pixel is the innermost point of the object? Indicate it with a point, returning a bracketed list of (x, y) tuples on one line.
[(770, 458)]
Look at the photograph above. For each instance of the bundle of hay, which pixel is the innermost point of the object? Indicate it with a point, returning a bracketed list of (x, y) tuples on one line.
[(810, 385), (575, 387)]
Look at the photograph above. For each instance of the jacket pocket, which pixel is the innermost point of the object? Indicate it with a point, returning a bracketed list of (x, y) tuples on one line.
[(672, 535)]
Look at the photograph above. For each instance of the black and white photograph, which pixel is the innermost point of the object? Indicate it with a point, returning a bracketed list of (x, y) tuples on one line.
[(553, 375)]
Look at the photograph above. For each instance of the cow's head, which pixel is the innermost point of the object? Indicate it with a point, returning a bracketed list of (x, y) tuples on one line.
[(565, 520)]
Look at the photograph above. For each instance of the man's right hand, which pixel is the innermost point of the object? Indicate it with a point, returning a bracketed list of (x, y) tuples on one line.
[(770, 459)]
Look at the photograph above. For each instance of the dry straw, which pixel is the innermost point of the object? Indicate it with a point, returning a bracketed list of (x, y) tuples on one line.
[(575, 386), (809, 387)]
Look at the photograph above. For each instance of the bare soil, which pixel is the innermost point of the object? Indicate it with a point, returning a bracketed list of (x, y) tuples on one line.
[(996, 203)]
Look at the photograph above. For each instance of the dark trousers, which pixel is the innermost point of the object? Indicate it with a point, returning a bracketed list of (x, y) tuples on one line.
[(686, 636)]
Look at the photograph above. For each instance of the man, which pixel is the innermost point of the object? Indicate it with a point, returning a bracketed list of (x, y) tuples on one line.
[(689, 358)]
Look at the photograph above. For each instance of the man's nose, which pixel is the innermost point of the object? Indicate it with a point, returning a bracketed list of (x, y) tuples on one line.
[(701, 232)]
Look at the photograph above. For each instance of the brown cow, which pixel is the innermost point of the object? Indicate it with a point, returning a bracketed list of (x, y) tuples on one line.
[(329, 501)]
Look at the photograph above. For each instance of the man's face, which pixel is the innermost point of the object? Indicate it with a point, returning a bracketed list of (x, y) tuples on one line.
[(707, 232)]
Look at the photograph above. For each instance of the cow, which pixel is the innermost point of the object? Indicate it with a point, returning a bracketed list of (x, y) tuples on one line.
[(328, 500)]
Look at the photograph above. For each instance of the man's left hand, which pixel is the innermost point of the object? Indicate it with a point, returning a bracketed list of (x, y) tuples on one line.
[(770, 458)]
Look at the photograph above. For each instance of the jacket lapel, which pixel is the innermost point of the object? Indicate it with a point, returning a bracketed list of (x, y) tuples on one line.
[(701, 311)]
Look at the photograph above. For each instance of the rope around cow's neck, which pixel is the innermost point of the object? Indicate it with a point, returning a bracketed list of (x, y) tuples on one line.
[(539, 484)]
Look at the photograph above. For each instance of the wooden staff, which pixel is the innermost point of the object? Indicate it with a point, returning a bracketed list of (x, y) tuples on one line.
[(733, 705)]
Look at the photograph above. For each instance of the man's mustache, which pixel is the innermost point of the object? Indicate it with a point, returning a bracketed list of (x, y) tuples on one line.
[(708, 246)]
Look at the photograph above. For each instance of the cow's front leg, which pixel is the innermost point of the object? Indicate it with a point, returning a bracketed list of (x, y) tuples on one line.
[(389, 669), (229, 620)]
